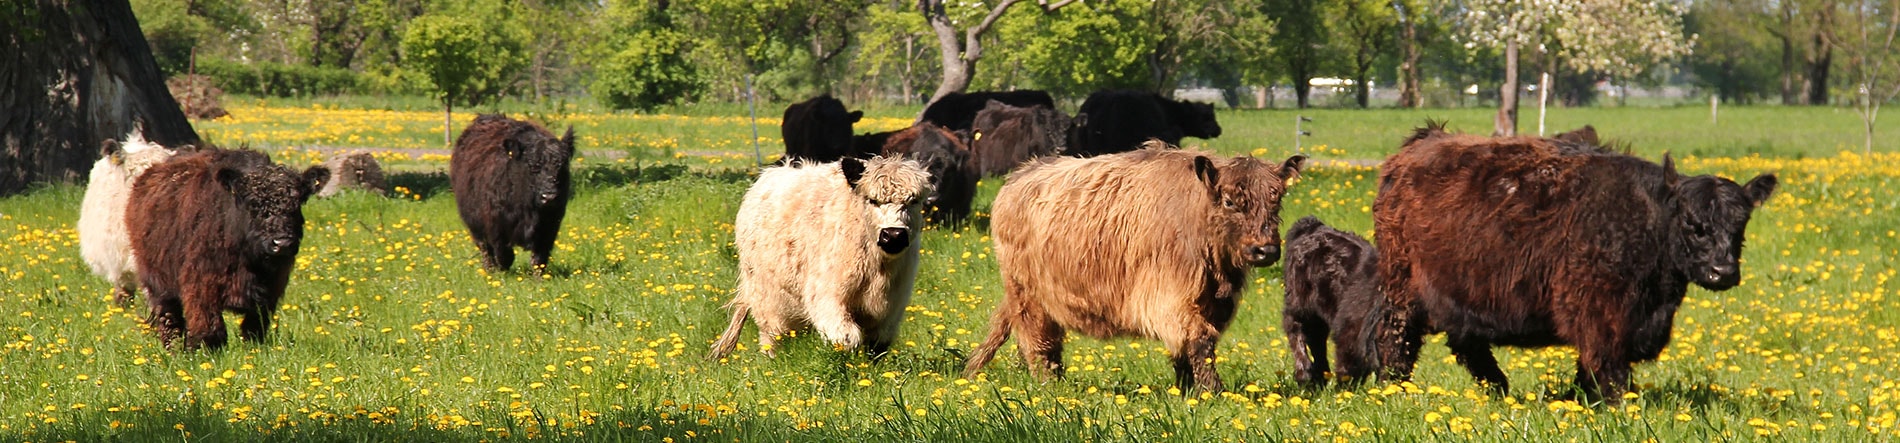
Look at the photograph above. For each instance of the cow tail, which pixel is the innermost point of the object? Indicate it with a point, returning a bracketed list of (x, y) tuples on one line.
[(1000, 327), (730, 339), (1306, 225)]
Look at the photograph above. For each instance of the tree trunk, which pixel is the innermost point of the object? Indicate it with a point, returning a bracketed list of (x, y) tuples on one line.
[(77, 73), (1409, 96), (1821, 56), (1302, 83), (448, 119), (960, 56), (1506, 121)]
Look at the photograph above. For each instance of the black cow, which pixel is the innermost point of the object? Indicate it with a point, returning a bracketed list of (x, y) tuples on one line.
[(1004, 136), (818, 129), (217, 230), (511, 185), (1332, 288), (957, 111), (1522, 241), (1119, 121)]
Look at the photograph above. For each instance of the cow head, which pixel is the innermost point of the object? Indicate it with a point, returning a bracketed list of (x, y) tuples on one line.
[(1196, 120), (943, 160), (894, 190), (1246, 193), (546, 160), (272, 198), (1711, 215)]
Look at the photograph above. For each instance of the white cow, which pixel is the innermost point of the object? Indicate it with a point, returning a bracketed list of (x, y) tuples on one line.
[(103, 240), (831, 246)]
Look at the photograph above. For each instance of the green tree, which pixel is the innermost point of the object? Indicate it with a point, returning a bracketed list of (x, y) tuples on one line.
[(897, 45), (643, 63), (1363, 31), (1298, 41), (179, 29), (1731, 54), (468, 56), (960, 56), (1076, 50)]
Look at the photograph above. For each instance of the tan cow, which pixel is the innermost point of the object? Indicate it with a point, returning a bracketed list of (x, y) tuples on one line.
[(1153, 243), (831, 246)]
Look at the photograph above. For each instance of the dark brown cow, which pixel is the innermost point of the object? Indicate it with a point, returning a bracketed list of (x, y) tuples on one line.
[(1154, 243), (1332, 288), (217, 230), (818, 130), (1006, 136), (957, 111), (1520, 241), (511, 185), (953, 175), (1119, 121)]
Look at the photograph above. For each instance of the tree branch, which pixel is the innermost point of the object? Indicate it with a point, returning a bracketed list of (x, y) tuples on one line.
[(1046, 7)]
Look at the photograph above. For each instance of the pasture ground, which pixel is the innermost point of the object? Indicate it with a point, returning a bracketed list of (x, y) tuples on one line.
[(391, 332)]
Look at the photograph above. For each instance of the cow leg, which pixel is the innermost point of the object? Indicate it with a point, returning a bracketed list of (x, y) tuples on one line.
[(1194, 359), (538, 255), (256, 323), (167, 316), (122, 294), (1007, 311), (1475, 355), (829, 315), (1400, 335), (1351, 354), (1040, 339), (204, 315), (1306, 335), (1602, 377)]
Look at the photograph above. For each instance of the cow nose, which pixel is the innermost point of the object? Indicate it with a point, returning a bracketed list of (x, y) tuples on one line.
[(549, 196), (893, 240), (278, 245), (1263, 255)]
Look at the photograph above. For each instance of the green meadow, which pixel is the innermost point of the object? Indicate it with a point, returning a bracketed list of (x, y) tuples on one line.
[(390, 331)]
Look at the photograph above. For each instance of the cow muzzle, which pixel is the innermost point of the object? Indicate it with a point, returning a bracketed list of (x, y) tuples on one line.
[(547, 197), (1719, 277), (278, 245), (1263, 255), (893, 240)]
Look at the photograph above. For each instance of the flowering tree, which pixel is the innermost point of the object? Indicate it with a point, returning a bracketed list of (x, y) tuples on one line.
[(1614, 37)]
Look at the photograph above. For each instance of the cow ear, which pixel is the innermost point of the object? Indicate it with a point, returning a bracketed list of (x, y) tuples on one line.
[(1759, 188), (111, 150), (229, 178), (568, 140), (1204, 169), (314, 179), (1669, 171), (512, 147), (856, 115), (1291, 168), (853, 170)]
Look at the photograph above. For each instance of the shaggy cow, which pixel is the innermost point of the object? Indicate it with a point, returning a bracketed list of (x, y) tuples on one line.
[(818, 130), (957, 111), (1155, 243), (217, 230), (1520, 241), (943, 154), (1332, 288), (103, 241), (1006, 136), (511, 186), (831, 246), (1118, 121), (354, 170)]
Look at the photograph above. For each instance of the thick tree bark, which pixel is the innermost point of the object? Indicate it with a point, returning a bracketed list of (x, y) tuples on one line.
[(960, 56), (76, 74), (1783, 30), (1820, 55), (1506, 121)]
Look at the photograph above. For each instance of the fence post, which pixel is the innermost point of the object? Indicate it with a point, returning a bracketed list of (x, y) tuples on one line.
[(1297, 132)]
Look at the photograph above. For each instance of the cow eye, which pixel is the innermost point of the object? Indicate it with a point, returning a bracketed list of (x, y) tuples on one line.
[(1227, 202)]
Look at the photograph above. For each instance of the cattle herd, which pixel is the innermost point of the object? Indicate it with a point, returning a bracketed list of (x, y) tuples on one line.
[(1103, 227)]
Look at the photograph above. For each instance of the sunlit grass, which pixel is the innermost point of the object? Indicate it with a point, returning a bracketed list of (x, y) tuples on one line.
[(391, 331)]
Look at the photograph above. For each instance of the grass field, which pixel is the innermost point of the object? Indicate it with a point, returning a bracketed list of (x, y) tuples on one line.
[(391, 332)]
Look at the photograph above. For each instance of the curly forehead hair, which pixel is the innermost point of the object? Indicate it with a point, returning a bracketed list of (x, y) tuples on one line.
[(893, 180)]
